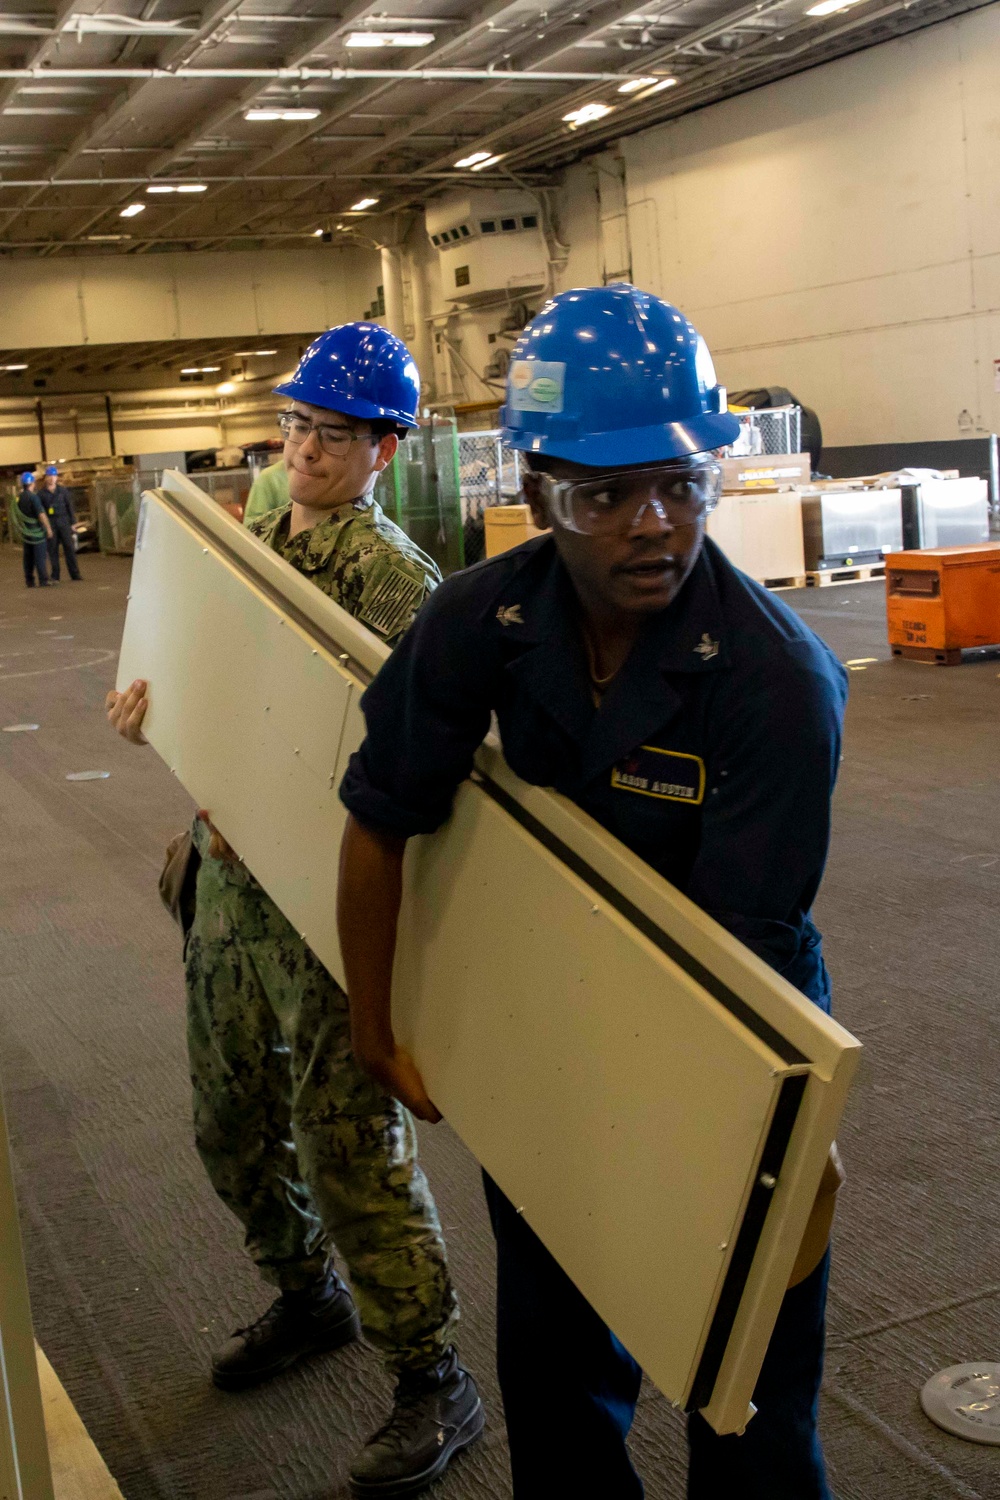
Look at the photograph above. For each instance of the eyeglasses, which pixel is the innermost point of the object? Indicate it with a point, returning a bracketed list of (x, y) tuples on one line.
[(334, 440), (678, 493)]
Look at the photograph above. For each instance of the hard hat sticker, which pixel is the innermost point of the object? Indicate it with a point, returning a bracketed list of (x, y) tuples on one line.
[(537, 384)]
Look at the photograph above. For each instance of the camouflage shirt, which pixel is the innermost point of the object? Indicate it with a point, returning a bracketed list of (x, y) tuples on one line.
[(361, 560)]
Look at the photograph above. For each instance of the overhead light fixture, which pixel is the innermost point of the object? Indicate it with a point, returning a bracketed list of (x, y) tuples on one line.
[(182, 187), (316, 233), (490, 161), (260, 353), (362, 204), (201, 370), (250, 353), (586, 114), (830, 7), (226, 388), (109, 236), (132, 210), (659, 85), (281, 114), (635, 83), (470, 161), (10, 368), (390, 39)]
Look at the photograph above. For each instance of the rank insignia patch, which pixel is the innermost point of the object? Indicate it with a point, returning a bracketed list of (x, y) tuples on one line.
[(670, 775)]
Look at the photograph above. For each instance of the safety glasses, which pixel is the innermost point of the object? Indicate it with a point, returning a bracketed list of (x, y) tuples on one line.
[(335, 441), (678, 493)]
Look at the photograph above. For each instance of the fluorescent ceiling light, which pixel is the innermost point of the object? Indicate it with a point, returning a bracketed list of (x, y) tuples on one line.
[(192, 187), (226, 388), (362, 204), (160, 187), (317, 233), (261, 352), (490, 161), (390, 39), (587, 113), (201, 369), (830, 7), (109, 236), (470, 161), (635, 83), (663, 83), (132, 210), (15, 367), (281, 114), (250, 353)]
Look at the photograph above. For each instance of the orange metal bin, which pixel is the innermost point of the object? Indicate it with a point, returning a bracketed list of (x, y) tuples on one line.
[(943, 600)]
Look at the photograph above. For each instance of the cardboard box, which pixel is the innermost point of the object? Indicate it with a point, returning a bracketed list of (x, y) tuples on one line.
[(507, 526), (761, 532)]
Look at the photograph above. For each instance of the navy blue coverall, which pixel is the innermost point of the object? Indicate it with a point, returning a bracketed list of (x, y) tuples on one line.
[(62, 516), (713, 756)]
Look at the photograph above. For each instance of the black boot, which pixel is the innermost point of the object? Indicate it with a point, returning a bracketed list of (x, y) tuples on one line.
[(436, 1413), (298, 1324)]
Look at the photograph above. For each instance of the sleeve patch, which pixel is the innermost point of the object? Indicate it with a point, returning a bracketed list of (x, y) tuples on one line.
[(389, 599)]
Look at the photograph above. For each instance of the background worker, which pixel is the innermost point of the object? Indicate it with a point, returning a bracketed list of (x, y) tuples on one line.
[(35, 533), (636, 671), (268, 492), (268, 1028), (60, 510)]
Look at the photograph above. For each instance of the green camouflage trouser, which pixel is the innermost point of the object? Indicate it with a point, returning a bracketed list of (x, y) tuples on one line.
[(303, 1147)]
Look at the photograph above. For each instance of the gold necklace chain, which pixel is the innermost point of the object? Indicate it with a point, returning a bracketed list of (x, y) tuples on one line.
[(598, 681)]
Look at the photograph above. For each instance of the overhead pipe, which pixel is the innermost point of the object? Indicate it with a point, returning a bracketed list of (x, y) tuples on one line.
[(33, 182), (335, 75), (111, 423)]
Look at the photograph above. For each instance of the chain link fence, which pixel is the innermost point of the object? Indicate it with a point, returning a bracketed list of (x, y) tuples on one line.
[(116, 510), (489, 474), (777, 429)]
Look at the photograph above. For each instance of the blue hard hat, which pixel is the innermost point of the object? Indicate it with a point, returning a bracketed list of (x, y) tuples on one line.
[(27, 477), (360, 369), (52, 470), (609, 375)]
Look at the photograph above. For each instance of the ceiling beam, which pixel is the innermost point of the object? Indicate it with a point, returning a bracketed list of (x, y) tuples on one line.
[(125, 104), (39, 55), (315, 41), (481, 20), (527, 62)]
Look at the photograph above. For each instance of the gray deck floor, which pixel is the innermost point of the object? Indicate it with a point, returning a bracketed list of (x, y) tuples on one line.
[(136, 1271)]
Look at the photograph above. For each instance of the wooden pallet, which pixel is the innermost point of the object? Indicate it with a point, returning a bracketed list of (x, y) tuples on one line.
[(797, 581), (930, 655), (863, 573)]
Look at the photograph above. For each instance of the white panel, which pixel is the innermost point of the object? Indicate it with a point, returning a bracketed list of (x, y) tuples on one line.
[(42, 305), (128, 298), (619, 1102), (104, 299), (251, 690)]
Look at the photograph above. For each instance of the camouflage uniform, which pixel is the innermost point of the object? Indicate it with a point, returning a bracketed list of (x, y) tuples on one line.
[(303, 1147)]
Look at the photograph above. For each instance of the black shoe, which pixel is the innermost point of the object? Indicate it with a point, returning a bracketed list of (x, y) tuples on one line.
[(436, 1413), (297, 1325)]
